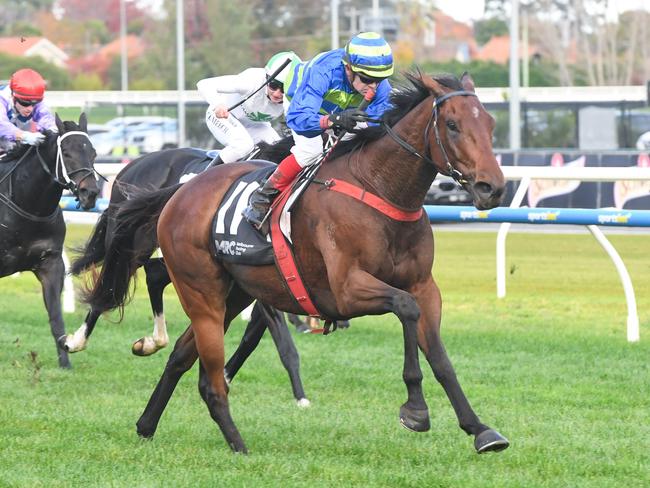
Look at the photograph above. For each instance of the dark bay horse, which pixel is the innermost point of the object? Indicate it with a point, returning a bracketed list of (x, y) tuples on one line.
[(355, 259), (153, 171), (32, 229)]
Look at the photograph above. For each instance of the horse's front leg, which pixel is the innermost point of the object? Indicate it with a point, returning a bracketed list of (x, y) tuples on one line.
[(157, 280), (50, 272), (428, 297), (363, 294)]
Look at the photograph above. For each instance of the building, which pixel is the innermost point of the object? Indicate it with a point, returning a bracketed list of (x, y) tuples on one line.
[(34, 46)]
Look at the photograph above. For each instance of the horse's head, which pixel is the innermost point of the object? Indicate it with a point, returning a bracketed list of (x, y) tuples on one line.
[(75, 159), (460, 137)]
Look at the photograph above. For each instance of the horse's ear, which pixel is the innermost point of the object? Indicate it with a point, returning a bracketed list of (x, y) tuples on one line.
[(467, 82), (59, 123), (83, 122)]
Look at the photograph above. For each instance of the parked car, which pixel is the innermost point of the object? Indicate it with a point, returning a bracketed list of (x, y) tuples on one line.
[(445, 191), (118, 134), (154, 136)]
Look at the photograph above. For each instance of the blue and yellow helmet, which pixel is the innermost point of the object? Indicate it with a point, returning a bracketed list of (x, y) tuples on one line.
[(370, 54)]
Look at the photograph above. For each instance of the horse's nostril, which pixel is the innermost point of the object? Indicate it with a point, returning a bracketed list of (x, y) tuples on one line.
[(482, 188)]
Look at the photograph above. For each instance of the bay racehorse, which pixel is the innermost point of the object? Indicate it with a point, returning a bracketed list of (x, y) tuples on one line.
[(32, 229), (154, 171), (366, 255)]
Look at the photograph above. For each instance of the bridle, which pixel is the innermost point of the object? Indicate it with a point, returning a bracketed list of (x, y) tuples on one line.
[(433, 121), (62, 176)]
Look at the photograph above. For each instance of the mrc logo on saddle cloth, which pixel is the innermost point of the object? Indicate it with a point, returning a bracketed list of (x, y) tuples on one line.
[(235, 240)]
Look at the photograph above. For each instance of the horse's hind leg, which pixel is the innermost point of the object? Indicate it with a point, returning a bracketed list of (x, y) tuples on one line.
[(262, 317), (287, 350), (79, 340), (50, 272), (180, 360), (204, 301), (485, 438), (251, 338), (157, 280)]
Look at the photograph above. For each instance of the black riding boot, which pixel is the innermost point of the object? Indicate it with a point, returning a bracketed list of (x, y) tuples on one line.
[(215, 162), (259, 204)]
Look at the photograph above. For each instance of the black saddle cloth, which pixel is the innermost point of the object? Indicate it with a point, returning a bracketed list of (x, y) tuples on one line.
[(234, 239)]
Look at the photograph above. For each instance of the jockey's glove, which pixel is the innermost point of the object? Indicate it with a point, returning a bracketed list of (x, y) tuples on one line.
[(348, 119), (32, 138)]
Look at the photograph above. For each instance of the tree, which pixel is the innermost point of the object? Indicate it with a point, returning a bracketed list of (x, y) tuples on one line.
[(486, 29), (56, 78)]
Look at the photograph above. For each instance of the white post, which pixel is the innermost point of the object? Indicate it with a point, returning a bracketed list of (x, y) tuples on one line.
[(123, 51), (180, 70), (515, 134), (632, 316), (68, 286), (334, 7), (501, 238)]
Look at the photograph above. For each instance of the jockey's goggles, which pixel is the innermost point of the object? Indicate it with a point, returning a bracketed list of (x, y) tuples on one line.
[(26, 103), (276, 85), (367, 80)]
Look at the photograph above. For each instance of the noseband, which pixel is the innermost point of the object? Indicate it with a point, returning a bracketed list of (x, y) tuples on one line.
[(62, 176), (451, 171)]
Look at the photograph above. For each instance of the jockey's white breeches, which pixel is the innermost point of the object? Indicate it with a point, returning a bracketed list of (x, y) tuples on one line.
[(307, 150), (238, 140)]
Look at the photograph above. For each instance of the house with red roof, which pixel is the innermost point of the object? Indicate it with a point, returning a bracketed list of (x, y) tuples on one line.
[(34, 46)]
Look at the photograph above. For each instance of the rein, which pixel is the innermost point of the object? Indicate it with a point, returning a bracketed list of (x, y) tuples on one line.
[(451, 171), (66, 182), (62, 177)]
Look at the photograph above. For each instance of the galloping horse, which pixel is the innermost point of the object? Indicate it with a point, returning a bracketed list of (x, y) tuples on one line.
[(32, 229), (154, 171), (364, 255)]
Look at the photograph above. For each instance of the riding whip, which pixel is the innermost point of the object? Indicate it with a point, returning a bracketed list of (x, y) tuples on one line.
[(268, 80)]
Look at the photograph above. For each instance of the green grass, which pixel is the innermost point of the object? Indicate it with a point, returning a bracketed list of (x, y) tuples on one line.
[(548, 366)]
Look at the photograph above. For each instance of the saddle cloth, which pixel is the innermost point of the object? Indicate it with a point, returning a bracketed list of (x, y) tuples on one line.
[(198, 165), (234, 239)]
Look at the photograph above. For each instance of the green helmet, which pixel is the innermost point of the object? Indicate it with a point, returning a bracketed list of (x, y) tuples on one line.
[(278, 60)]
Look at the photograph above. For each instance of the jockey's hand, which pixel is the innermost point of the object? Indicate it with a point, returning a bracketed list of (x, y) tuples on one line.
[(31, 138), (221, 111), (348, 119)]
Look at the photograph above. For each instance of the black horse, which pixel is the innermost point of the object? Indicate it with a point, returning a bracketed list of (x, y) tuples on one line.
[(154, 171), (32, 229)]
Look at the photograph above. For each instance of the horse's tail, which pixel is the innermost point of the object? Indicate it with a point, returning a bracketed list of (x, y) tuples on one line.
[(125, 252), (95, 248)]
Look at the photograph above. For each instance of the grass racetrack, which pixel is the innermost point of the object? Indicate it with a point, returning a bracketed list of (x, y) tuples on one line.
[(548, 366)]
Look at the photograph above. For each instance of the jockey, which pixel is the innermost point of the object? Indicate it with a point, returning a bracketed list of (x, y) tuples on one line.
[(249, 123), (23, 115), (323, 93)]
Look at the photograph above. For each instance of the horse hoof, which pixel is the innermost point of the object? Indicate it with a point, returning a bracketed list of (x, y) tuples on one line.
[(414, 420), (303, 403), (62, 342), (138, 348), (490, 441)]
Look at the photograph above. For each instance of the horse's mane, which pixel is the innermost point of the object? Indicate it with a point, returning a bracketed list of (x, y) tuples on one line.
[(404, 98), (18, 150), (276, 151)]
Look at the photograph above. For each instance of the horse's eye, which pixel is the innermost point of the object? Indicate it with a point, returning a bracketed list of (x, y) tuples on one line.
[(451, 125)]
